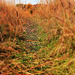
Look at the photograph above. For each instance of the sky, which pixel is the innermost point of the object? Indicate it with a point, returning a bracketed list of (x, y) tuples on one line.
[(27, 1)]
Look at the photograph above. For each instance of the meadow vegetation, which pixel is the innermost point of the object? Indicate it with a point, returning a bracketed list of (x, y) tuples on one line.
[(37, 39)]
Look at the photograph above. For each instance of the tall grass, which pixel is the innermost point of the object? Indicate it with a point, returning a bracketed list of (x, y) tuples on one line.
[(12, 33), (42, 43), (57, 32), (57, 19), (12, 22)]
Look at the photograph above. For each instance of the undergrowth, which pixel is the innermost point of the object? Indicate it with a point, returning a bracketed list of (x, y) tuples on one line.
[(39, 43)]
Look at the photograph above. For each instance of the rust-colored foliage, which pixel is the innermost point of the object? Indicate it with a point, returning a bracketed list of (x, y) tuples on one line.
[(60, 14), (55, 22), (28, 7), (11, 21), (12, 24)]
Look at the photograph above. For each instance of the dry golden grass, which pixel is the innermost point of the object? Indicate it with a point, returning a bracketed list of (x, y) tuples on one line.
[(12, 24), (51, 53)]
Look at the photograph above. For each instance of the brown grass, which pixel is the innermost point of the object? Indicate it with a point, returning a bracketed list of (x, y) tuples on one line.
[(55, 22)]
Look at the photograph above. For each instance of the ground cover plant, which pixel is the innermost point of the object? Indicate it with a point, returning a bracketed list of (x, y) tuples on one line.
[(37, 41)]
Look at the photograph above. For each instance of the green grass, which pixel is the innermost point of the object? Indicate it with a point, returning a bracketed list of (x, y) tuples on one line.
[(42, 48)]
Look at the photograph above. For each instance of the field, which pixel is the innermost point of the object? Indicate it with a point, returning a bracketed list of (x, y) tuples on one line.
[(37, 39)]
